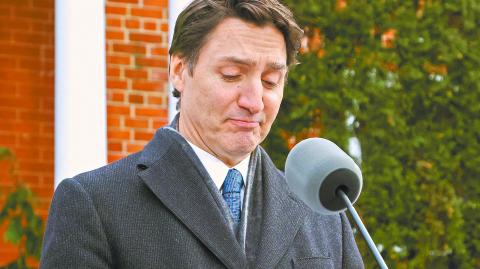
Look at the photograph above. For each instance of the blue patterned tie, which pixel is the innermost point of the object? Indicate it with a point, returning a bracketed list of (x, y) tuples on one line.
[(231, 193)]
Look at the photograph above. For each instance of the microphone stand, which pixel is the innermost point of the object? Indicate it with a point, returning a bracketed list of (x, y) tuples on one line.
[(362, 228)]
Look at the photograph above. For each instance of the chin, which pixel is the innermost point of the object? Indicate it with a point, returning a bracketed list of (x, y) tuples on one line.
[(241, 146)]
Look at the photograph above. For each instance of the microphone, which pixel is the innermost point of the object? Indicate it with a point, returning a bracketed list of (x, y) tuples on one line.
[(316, 168), (328, 181)]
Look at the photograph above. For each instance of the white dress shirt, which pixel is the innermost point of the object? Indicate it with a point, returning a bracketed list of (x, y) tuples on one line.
[(218, 170)]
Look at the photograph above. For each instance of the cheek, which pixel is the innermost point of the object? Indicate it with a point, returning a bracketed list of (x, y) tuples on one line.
[(272, 105)]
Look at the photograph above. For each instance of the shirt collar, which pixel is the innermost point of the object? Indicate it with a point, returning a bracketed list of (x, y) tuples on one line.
[(217, 169)]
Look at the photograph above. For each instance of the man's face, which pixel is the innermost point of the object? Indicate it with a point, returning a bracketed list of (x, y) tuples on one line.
[(232, 98)]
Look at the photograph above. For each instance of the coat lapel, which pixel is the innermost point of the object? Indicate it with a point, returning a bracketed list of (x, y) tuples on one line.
[(281, 217), (172, 175)]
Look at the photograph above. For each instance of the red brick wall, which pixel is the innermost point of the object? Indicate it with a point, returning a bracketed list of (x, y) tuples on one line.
[(137, 49), (27, 101), (136, 44)]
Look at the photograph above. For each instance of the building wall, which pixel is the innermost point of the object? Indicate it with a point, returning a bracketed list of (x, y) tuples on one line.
[(136, 48), (27, 102), (137, 74)]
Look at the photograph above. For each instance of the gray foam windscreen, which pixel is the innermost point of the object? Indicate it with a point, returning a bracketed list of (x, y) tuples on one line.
[(316, 168)]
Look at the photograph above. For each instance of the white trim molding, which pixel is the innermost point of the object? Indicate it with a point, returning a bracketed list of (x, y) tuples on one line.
[(80, 87)]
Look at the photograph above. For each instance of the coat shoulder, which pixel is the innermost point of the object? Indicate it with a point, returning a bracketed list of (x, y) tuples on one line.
[(112, 179)]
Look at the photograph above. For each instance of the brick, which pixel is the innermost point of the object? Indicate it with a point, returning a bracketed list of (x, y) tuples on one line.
[(118, 110), (150, 26), (113, 72), (27, 154), (134, 48), (9, 92), (36, 116), (25, 76), (159, 123), (31, 13), (117, 97), (114, 22), (116, 134), (8, 112), (151, 62), (146, 86), (47, 103), (135, 99), (164, 27), (20, 50), (153, 38), (35, 165), (47, 128), (25, 103), (151, 112), (17, 25), (124, 1), (147, 13), (136, 123), (115, 10), (47, 154), (118, 60), (116, 84), (34, 84), (146, 136), (5, 11), (115, 157), (132, 24), (29, 179), (30, 38), (36, 64), (36, 141), (45, 28), (26, 127), (159, 51), (7, 139), (6, 35), (113, 121), (48, 4), (136, 74), (156, 100), (156, 3), (114, 35), (43, 89), (132, 148), (48, 52), (115, 146)]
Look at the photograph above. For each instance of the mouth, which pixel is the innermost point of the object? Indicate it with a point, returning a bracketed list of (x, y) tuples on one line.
[(245, 123)]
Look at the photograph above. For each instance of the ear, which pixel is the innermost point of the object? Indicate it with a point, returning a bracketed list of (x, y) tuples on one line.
[(177, 72)]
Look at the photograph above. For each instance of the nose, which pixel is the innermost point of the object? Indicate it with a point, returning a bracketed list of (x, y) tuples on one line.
[(251, 97)]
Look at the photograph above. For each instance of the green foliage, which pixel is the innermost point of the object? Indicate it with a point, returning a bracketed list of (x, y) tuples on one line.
[(415, 101), (5, 153), (24, 228)]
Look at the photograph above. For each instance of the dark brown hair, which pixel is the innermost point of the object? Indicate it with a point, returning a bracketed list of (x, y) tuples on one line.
[(198, 20)]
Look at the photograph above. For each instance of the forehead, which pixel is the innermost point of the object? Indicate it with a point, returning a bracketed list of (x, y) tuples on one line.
[(235, 38)]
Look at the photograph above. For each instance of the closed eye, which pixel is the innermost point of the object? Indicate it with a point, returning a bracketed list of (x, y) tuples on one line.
[(268, 84), (230, 78)]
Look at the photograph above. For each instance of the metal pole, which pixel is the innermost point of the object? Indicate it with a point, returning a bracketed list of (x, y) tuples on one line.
[(363, 230)]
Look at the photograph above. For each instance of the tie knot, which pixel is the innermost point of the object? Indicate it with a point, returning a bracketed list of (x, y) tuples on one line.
[(233, 182)]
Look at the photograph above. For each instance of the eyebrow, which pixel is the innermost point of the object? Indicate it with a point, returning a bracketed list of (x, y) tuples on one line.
[(236, 60)]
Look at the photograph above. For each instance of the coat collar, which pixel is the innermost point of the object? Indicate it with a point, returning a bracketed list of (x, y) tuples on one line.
[(171, 171), (282, 216)]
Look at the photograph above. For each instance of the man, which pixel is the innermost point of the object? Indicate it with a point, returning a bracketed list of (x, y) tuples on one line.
[(203, 193)]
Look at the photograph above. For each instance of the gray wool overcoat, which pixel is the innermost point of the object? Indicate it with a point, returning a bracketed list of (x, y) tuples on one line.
[(158, 209)]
